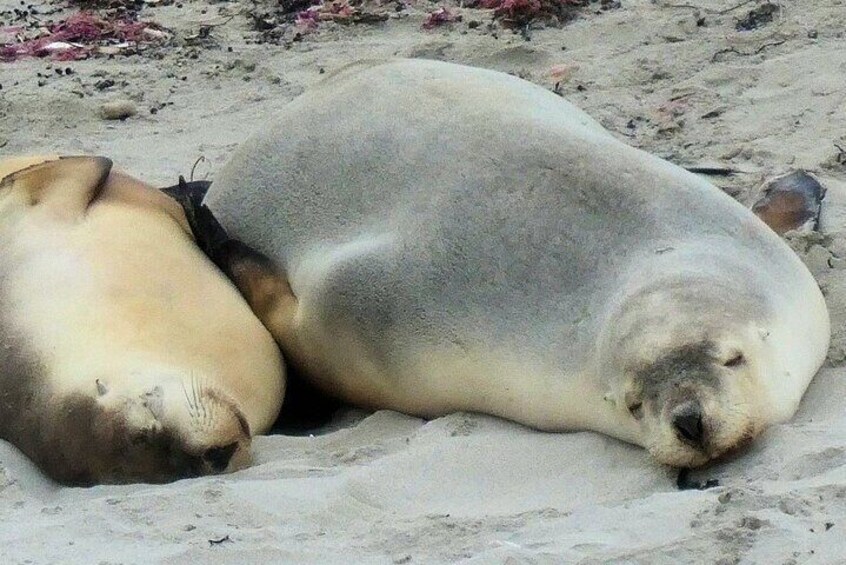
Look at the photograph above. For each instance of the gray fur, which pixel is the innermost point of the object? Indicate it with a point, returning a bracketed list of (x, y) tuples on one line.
[(692, 364), (466, 198)]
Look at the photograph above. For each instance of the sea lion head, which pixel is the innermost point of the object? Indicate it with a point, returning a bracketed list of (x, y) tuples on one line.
[(688, 359), (178, 428), (694, 402)]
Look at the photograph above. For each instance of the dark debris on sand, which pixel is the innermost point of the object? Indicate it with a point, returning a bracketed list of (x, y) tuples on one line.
[(758, 16), (288, 20), (285, 21)]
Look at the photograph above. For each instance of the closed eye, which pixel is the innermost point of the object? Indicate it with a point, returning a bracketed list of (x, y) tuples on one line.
[(636, 410), (735, 361)]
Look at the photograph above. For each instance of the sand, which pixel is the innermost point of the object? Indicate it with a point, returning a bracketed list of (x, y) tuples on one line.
[(387, 488)]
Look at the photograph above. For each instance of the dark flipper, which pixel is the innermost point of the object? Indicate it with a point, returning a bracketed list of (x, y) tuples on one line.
[(263, 284), (791, 202), (259, 279), (208, 232), (265, 287), (189, 194)]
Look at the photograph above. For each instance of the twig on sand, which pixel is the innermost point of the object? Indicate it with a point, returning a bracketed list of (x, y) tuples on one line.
[(200, 159), (711, 10), (224, 539), (716, 55), (713, 171), (221, 23), (768, 45), (735, 7)]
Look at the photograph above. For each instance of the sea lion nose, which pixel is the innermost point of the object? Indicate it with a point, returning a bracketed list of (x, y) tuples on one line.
[(218, 457), (687, 421)]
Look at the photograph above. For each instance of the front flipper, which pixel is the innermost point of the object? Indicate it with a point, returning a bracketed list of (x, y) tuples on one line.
[(260, 280), (262, 283), (207, 231), (791, 202)]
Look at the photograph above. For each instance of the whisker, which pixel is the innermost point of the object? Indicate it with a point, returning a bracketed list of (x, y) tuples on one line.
[(187, 398), (201, 394), (197, 402)]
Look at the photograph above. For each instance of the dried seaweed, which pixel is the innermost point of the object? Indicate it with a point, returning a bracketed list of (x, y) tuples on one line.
[(78, 37), (521, 13), (439, 17)]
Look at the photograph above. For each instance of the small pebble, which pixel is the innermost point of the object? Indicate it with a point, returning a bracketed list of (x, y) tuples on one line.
[(117, 110)]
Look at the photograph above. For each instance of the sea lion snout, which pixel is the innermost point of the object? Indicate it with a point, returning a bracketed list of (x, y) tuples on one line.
[(688, 422), (218, 457), (687, 402)]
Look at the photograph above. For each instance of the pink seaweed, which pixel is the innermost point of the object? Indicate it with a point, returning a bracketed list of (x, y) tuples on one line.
[(439, 17), (77, 37)]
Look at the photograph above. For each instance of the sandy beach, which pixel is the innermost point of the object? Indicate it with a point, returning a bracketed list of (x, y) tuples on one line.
[(759, 90)]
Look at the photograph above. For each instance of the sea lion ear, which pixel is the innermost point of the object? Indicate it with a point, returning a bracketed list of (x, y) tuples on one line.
[(68, 184)]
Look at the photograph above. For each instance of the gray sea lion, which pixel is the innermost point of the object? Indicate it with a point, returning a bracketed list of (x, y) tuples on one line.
[(126, 356), (429, 237)]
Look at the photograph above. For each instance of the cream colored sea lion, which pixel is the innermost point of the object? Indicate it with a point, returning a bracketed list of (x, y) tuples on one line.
[(430, 237), (126, 356)]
